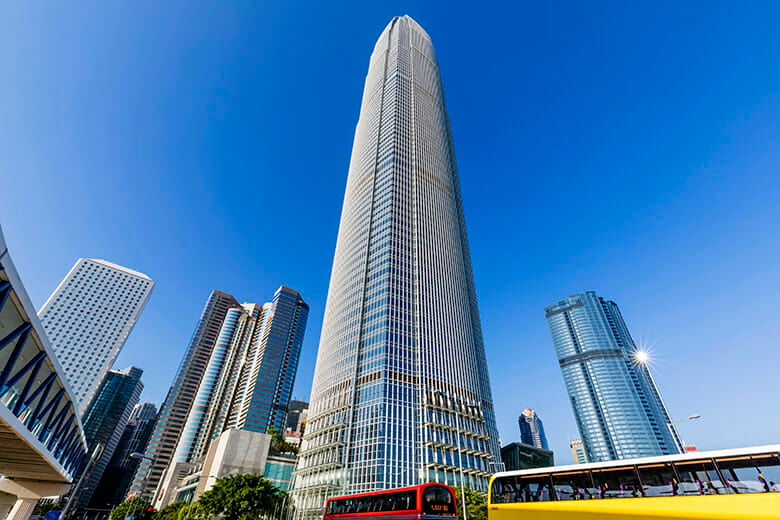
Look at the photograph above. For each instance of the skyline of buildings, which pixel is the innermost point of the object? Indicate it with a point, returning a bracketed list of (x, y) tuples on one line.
[(394, 264), (401, 392), (89, 316), (618, 409), (532, 429)]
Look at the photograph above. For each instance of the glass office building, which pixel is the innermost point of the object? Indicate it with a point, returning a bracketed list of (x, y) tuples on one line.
[(532, 430), (116, 479), (181, 395), (248, 382), (105, 422), (401, 393), (618, 409)]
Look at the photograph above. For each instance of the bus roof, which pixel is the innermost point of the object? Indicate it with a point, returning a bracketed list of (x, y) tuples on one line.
[(392, 490), (691, 455)]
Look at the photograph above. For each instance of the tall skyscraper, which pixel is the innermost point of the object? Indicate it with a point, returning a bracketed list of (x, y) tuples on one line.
[(401, 366), (116, 479), (532, 429), (88, 318), (249, 378), (618, 409), (105, 422), (179, 400)]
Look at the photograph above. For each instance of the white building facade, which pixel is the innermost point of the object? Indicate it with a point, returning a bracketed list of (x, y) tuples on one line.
[(401, 393), (88, 319)]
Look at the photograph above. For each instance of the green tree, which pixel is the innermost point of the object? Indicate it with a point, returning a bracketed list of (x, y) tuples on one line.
[(193, 511), (170, 512), (476, 505), (242, 497), (278, 444), (134, 507)]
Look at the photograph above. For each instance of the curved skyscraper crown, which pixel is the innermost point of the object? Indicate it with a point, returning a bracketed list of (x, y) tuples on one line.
[(401, 386)]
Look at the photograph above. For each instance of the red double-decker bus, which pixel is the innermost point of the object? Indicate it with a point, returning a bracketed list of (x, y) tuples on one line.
[(431, 501)]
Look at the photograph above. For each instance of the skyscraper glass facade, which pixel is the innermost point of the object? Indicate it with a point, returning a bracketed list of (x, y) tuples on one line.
[(401, 392), (116, 479), (618, 409), (88, 318), (105, 422), (532, 429), (178, 402), (249, 378)]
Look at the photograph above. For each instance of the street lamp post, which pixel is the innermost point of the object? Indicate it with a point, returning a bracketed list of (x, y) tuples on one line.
[(671, 423), (140, 456)]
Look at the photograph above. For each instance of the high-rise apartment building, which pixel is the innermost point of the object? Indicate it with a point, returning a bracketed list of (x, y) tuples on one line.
[(401, 393), (578, 454), (88, 318), (116, 478), (248, 381), (105, 422), (178, 402), (618, 409), (532, 429)]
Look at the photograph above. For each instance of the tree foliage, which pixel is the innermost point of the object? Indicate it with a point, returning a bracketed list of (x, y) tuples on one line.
[(170, 512), (193, 511), (476, 505), (133, 507), (278, 444), (242, 497)]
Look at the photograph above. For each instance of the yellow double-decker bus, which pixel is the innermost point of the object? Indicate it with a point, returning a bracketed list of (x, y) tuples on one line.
[(726, 484)]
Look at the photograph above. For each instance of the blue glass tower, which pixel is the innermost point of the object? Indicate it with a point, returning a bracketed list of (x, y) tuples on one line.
[(618, 409), (105, 421), (532, 429), (176, 407), (248, 381), (401, 393)]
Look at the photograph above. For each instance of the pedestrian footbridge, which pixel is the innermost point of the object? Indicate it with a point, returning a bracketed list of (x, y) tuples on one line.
[(41, 437)]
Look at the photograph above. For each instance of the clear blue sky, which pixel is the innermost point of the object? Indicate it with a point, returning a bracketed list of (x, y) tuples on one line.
[(634, 151)]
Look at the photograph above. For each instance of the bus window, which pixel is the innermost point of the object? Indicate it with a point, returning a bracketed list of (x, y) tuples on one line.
[(438, 500), (758, 474), (659, 480), (617, 483), (534, 488), (699, 478), (504, 491), (405, 500), (574, 486)]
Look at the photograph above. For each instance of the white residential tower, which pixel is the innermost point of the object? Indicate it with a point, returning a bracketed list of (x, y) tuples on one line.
[(88, 318)]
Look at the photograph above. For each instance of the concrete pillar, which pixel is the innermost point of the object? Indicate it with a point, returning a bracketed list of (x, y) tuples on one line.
[(22, 509), (27, 493)]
